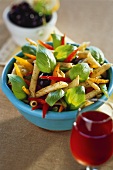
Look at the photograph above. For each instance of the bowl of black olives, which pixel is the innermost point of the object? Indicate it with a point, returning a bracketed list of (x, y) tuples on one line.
[(23, 22)]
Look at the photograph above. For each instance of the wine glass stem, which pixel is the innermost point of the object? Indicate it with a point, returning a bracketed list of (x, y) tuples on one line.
[(91, 168)]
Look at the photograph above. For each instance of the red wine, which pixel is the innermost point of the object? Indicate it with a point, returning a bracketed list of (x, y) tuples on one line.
[(92, 143)]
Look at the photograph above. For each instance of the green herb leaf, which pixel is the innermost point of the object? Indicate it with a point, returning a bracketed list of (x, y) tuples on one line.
[(61, 52), (30, 49), (17, 83), (75, 97), (81, 69), (97, 54), (45, 59), (53, 97), (56, 40)]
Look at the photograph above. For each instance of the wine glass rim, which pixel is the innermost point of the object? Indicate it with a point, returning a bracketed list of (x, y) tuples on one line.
[(110, 117), (95, 121)]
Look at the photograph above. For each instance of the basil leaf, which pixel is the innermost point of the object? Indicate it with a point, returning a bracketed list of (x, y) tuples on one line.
[(97, 54), (81, 69), (75, 97), (56, 40), (53, 97), (45, 59), (17, 83), (29, 49), (63, 51)]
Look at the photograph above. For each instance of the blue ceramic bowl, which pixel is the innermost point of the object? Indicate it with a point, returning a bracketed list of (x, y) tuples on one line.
[(54, 120)]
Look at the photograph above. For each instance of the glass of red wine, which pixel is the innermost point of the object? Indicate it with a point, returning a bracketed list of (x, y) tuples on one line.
[(91, 140)]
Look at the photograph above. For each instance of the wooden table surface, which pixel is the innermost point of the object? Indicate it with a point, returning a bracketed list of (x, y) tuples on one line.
[(23, 146)]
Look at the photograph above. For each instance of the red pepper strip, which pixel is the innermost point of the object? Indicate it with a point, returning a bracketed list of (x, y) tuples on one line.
[(66, 79), (71, 56), (42, 104), (45, 109), (45, 45), (27, 82), (39, 106), (29, 74), (39, 100), (63, 40), (35, 107)]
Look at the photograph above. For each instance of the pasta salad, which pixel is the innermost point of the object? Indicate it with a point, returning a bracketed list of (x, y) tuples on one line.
[(59, 76)]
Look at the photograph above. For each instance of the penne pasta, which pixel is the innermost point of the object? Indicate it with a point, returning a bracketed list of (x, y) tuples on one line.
[(89, 59), (33, 82), (93, 63), (50, 88), (74, 83), (95, 86), (83, 46), (99, 71), (92, 94)]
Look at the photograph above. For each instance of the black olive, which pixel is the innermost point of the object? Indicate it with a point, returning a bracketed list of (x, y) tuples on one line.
[(44, 82), (75, 60)]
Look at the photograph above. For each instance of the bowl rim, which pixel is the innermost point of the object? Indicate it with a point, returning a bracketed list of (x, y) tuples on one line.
[(7, 21), (51, 114)]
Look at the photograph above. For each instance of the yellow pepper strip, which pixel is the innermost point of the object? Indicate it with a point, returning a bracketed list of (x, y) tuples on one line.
[(98, 81), (31, 42), (55, 72), (30, 56), (25, 90), (25, 63), (18, 71)]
